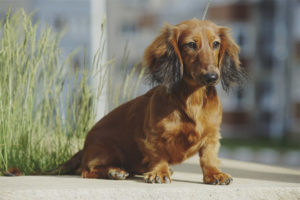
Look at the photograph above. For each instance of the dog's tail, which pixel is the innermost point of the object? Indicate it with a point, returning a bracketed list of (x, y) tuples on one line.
[(71, 167)]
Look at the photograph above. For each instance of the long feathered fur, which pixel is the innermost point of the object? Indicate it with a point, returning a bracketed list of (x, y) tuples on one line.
[(163, 61)]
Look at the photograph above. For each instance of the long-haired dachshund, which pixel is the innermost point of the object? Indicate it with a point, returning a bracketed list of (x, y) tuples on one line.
[(178, 118)]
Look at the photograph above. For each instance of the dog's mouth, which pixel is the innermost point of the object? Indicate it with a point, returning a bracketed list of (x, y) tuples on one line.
[(203, 79), (212, 83)]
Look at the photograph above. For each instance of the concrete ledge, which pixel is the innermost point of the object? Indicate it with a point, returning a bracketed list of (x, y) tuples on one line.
[(251, 181)]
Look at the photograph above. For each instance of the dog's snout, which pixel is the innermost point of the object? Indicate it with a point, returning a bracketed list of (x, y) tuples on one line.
[(211, 77)]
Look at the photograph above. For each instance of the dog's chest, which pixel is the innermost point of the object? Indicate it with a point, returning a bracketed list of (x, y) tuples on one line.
[(183, 139), (183, 142)]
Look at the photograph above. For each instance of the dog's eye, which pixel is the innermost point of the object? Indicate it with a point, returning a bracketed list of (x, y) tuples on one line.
[(191, 45), (216, 44)]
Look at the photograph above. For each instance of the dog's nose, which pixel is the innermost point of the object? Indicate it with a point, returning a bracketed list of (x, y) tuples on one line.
[(211, 77)]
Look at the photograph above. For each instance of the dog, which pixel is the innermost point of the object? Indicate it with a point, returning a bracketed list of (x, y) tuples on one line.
[(174, 120)]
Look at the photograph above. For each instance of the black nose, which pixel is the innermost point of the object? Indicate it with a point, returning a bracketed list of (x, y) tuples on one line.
[(211, 77)]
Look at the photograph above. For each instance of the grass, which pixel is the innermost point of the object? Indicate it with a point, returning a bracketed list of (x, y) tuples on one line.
[(46, 105)]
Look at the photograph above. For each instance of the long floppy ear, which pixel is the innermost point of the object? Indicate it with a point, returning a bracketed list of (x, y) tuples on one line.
[(231, 72), (163, 58)]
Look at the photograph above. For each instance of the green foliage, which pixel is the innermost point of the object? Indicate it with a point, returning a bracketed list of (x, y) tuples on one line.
[(46, 105)]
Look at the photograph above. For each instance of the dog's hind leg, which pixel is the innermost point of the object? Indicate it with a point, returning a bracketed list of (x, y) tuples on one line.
[(103, 161), (115, 173)]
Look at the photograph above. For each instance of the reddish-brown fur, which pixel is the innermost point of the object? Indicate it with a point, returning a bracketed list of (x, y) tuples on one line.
[(174, 120)]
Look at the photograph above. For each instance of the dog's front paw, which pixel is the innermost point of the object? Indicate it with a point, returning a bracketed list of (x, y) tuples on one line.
[(219, 178), (157, 177)]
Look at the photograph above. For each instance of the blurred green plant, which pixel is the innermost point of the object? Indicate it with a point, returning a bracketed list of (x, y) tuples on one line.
[(46, 105), (126, 84)]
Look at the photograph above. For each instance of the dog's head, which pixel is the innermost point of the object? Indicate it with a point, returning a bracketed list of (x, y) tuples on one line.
[(195, 51)]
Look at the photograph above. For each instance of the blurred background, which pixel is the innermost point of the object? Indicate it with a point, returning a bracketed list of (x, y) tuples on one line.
[(261, 122)]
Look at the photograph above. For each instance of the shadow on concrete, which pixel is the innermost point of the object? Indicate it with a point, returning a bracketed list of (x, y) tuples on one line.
[(242, 173), (140, 179), (137, 178)]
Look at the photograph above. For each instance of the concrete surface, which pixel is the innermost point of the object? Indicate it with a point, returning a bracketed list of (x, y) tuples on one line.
[(251, 181)]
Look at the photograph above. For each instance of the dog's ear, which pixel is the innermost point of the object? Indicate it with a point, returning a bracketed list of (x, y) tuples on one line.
[(163, 59), (231, 72)]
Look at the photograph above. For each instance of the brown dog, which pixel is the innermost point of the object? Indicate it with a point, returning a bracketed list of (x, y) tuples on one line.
[(174, 120)]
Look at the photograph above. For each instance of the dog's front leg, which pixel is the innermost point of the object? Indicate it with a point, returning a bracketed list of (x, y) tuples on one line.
[(159, 174), (210, 164)]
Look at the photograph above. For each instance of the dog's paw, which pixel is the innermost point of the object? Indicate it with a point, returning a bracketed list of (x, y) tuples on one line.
[(219, 178), (157, 177), (117, 174)]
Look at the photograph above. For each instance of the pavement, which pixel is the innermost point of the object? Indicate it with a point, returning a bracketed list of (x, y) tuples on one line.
[(251, 181)]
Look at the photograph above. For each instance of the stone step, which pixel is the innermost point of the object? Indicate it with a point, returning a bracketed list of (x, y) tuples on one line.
[(251, 181)]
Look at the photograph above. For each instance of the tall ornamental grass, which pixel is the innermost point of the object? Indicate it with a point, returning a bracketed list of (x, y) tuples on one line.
[(46, 105)]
